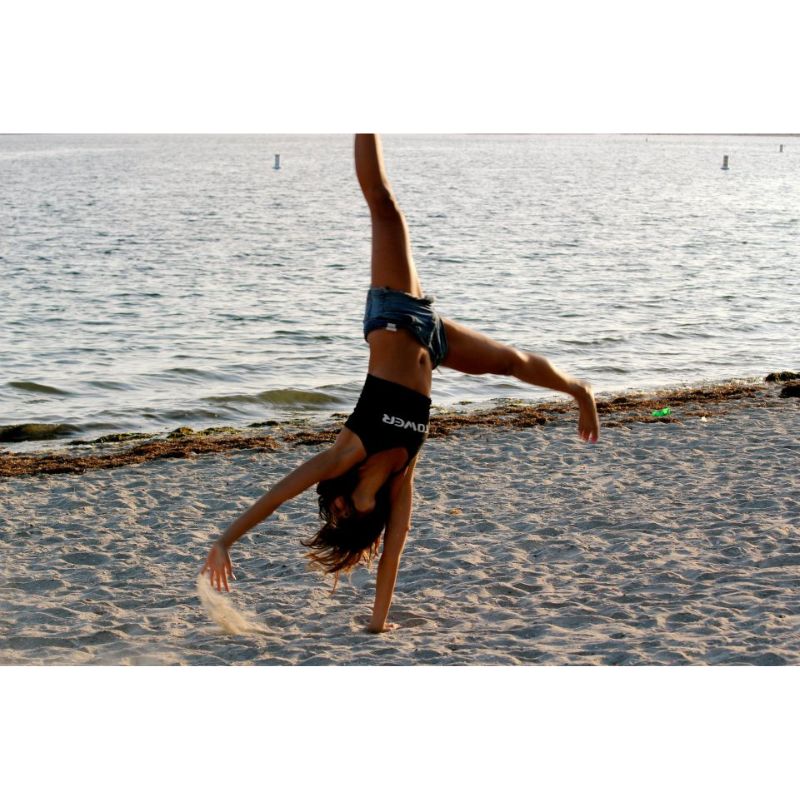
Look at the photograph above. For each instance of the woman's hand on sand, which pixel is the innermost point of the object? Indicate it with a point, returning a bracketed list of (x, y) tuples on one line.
[(219, 567)]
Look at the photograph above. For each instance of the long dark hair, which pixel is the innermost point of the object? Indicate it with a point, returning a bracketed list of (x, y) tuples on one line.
[(341, 544)]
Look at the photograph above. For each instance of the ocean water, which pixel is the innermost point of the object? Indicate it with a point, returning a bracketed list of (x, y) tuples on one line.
[(151, 282)]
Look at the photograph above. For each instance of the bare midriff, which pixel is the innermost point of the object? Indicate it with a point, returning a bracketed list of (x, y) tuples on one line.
[(399, 357)]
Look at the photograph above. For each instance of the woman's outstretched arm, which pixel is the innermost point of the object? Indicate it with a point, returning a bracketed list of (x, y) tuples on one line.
[(330, 463)]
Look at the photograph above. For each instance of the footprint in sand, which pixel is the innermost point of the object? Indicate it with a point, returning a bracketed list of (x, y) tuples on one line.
[(85, 559)]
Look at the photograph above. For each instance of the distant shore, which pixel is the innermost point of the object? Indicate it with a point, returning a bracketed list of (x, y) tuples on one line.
[(784, 135)]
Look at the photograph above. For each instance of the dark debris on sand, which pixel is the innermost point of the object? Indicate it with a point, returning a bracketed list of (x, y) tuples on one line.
[(704, 402), (782, 377), (791, 389), (116, 450), (18, 464)]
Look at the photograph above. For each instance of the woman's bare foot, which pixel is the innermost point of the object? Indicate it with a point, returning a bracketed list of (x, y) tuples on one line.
[(588, 421), (387, 626)]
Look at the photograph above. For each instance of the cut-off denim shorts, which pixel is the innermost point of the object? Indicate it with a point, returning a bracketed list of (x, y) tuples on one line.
[(387, 308)]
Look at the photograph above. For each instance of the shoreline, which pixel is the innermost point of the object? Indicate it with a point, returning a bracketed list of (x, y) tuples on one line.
[(118, 450)]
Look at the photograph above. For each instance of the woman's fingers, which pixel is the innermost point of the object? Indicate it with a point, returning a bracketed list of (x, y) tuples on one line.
[(218, 569)]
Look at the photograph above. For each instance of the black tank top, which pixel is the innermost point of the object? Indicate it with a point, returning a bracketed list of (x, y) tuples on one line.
[(389, 415)]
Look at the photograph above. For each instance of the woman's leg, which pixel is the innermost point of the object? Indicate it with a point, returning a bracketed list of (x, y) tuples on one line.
[(392, 262), (475, 354)]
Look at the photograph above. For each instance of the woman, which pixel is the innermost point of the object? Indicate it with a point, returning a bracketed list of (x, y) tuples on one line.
[(365, 478)]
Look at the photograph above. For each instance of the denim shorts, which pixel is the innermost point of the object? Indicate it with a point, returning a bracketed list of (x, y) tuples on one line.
[(387, 308)]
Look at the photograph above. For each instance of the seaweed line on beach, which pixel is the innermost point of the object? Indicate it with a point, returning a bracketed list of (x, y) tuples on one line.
[(115, 450)]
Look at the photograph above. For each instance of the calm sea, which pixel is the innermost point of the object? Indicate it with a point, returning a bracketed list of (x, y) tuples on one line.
[(151, 282)]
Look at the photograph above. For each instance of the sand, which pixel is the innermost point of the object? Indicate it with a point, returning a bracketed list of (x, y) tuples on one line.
[(663, 544)]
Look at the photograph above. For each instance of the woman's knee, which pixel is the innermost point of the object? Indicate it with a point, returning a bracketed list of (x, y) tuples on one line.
[(383, 204), (512, 361)]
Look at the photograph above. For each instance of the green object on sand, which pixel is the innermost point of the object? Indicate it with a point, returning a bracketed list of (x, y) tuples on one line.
[(662, 412)]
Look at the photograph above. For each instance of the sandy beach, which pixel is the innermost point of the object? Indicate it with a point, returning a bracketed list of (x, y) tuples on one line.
[(663, 544)]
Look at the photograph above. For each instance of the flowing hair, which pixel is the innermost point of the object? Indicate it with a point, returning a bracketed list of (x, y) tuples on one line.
[(341, 544)]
